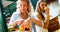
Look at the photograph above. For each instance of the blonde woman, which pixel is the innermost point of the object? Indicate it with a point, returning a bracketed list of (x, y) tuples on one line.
[(42, 14), (22, 17)]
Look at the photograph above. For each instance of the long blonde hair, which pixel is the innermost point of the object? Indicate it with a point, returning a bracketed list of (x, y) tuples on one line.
[(38, 6), (38, 10), (30, 8)]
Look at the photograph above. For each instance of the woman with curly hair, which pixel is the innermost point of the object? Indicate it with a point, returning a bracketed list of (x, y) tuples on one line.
[(22, 18)]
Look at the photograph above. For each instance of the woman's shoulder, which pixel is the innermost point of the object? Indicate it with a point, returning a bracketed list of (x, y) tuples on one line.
[(34, 14), (15, 13)]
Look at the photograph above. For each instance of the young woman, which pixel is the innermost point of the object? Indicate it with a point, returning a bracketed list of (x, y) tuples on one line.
[(22, 17), (42, 14)]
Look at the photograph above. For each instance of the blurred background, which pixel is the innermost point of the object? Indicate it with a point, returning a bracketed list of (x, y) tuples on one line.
[(9, 6)]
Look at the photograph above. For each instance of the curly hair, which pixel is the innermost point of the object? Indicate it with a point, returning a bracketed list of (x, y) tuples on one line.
[(29, 8)]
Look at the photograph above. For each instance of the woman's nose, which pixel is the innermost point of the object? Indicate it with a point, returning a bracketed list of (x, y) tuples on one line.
[(22, 7)]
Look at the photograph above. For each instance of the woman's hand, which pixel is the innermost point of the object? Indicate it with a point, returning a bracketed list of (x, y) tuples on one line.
[(25, 25), (18, 22), (46, 21)]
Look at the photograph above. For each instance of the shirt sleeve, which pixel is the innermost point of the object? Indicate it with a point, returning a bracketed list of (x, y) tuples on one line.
[(13, 18)]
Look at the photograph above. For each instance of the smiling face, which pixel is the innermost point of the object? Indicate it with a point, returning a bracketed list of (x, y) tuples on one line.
[(23, 6)]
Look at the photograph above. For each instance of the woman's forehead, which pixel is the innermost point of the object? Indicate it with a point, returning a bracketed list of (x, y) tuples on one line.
[(43, 3), (23, 1)]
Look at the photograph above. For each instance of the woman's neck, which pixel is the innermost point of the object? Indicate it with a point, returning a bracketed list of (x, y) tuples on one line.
[(24, 15)]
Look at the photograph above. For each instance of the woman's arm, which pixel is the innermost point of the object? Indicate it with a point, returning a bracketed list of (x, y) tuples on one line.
[(13, 19), (18, 22), (46, 21), (37, 22)]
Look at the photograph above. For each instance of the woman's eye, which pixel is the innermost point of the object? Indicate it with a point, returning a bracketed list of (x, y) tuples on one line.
[(20, 5), (42, 4), (24, 5)]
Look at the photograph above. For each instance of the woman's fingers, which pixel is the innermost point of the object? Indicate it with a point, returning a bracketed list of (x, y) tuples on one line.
[(20, 22)]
